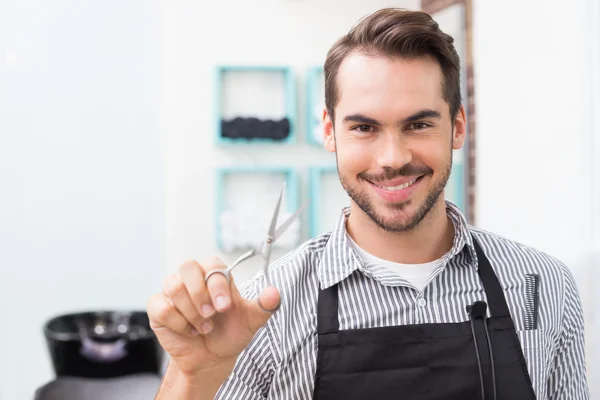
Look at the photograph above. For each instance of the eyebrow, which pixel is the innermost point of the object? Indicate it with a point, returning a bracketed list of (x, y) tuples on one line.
[(419, 115)]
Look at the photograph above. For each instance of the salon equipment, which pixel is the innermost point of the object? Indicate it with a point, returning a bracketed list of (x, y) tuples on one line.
[(532, 293), (102, 355), (243, 229), (102, 344), (264, 250), (130, 387)]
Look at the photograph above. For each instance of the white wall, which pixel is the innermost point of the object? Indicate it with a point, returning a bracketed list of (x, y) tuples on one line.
[(81, 178), (535, 133)]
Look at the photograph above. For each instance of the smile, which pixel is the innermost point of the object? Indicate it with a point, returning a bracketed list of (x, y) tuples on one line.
[(397, 193), (397, 187)]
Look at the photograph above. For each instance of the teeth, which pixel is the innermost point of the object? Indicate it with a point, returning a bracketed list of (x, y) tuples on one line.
[(399, 187)]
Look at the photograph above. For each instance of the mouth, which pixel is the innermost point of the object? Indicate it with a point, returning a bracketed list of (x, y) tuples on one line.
[(398, 190), (401, 186)]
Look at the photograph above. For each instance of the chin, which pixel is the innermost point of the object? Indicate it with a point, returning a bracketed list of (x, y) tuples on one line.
[(397, 217), (390, 217)]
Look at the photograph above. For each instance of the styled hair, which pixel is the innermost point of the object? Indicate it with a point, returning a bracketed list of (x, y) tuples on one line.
[(401, 34)]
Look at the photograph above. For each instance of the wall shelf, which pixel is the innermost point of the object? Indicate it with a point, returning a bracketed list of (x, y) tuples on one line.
[(315, 102), (254, 105), (245, 199), (328, 197), (455, 188)]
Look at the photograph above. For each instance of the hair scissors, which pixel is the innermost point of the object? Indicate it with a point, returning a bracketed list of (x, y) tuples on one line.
[(264, 249)]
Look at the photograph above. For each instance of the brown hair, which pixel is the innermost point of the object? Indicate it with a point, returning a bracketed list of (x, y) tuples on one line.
[(397, 33)]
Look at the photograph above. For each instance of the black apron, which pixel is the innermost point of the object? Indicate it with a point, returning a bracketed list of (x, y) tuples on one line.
[(424, 362)]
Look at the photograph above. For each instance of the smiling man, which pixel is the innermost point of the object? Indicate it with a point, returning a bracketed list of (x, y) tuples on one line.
[(402, 299)]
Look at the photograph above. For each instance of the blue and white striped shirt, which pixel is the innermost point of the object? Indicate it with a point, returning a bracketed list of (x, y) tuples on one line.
[(280, 362)]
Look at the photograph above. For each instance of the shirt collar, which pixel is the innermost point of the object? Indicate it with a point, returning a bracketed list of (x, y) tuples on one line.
[(339, 259)]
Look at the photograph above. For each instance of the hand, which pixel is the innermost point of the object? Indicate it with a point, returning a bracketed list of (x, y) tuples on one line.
[(205, 326)]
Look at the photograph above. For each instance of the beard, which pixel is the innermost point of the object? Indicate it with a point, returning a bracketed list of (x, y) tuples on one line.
[(397, 225)]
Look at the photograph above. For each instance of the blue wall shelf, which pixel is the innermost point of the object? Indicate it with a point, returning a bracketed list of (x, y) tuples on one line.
[(316, 198), (292, 187), (290, 104), (313, 100), (456, 189)]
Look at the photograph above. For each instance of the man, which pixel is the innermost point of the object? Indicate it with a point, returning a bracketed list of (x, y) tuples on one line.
[(402, 300)]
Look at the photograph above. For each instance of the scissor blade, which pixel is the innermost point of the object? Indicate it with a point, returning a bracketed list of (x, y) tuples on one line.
[(273, 225), (283, 227), (244, 257)]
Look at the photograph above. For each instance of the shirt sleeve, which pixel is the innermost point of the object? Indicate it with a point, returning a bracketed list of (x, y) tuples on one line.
[(253, 371), (567, 379)]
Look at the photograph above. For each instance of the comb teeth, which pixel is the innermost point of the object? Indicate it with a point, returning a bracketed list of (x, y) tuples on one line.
[(531, 301)]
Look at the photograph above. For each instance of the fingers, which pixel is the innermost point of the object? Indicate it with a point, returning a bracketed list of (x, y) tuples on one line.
[(163, 313), (177, 292), (269, 299), (218, 287), (193, 278), (260, 310), (189, 301)]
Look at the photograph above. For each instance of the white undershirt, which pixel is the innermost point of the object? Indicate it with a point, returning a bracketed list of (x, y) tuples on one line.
[(415, 274)]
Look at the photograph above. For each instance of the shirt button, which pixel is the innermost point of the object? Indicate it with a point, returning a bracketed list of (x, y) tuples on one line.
[(422, 302)]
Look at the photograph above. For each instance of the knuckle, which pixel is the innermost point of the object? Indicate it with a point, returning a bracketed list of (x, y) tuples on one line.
[(189, 265), (150, 305), (198, 294), (173, 285), (217, 284), (214, 263), (162, 310)]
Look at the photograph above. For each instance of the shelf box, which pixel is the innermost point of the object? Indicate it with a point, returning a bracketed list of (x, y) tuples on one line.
[(315, 102), (328, 198), (254, 105), (455, 188), (245, 199)]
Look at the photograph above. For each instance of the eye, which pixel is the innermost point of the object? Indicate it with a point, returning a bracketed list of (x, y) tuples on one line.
[(363, 128), (417, 126)]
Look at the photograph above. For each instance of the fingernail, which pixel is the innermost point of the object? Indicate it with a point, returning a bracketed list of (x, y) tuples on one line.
[(194, 332), (206, 327), (221, 302), (207, 310)]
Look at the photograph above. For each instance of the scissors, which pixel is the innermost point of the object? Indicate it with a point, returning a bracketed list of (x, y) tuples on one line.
[(264, 249)]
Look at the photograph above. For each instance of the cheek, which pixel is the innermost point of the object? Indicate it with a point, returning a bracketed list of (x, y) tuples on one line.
[(434, 155), (354, 157)]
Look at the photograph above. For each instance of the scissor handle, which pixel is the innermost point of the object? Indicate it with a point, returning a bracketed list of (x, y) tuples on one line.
[(225, 272)]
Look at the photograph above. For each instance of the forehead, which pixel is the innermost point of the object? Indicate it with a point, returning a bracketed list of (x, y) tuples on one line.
[(380, 83)]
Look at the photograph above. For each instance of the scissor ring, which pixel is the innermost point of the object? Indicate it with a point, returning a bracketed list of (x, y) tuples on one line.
[(225, 272)]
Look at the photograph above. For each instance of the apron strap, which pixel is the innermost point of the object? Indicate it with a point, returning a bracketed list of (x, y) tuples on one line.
[(327, 310), (493, 290), (327, 303)]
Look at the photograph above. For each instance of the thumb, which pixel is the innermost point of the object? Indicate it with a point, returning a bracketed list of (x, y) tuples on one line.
[(261, 309)]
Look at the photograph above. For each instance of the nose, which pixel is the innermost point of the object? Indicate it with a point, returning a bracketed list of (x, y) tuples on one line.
[(392, 152)]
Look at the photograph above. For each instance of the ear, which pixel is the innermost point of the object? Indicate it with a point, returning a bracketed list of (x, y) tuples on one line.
[(460, 129), (328, 132)]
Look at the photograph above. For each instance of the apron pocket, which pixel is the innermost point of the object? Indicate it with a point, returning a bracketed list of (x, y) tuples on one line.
[(534, 343)]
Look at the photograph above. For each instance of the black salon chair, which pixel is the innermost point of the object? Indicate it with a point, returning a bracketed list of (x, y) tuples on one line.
[(102, 355), (132, 387)]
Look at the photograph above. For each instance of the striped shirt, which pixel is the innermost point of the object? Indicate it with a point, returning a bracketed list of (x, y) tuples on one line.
[(280, 361)]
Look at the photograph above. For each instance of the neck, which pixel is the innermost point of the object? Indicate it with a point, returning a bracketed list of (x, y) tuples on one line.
[(429, 241)]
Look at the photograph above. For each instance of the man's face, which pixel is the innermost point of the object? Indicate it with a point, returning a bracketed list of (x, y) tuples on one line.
[(393, 137)]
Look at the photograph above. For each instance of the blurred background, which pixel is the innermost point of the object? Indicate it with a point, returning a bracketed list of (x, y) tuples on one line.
[(115, 168)]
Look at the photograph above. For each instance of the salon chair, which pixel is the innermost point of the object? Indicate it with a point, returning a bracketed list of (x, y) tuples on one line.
[(102, 355)]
